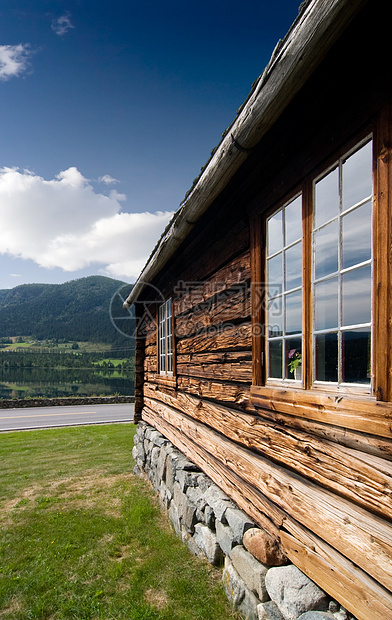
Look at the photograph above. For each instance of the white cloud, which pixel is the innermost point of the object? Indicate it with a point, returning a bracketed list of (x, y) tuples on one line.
[(108, 180), (62, 24), (64, 223), (14, 60)]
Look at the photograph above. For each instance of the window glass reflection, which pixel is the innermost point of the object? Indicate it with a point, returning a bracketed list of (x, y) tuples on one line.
[(356, 296), (357, 235), (275, 318), (357, 176), (275, 233), (326, 357), (326, 304), (293, 264), (293, 221), (356, 356), (275, 359), (275, 272), (327, 198), (294, 313), (326, 242)]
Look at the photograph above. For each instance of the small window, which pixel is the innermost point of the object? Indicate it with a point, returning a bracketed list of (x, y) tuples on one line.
[(165, 332), (284, 291)]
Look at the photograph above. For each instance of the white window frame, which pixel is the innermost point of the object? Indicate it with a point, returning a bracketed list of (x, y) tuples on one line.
[(165, 338), (341, 271), (309, 332)]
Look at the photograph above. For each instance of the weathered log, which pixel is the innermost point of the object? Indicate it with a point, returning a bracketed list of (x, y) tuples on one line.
[(254, 503), (193, 293), (362, 414), (321, 461), (228, 338), (230, 306), (237, 372), (344, 581), (221, 391), (360, 536), (334, 570), (377, 446)]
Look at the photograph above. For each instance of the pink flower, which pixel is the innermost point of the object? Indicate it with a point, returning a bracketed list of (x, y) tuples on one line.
[(292, 352)]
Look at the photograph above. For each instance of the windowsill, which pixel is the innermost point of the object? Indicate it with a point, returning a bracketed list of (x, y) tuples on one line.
[(360, 412), (354, 390)]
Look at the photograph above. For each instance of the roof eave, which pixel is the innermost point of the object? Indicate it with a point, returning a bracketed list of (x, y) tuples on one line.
[(293, 61)]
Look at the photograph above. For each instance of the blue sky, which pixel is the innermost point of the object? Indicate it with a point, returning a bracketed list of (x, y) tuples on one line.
[(108, 112)]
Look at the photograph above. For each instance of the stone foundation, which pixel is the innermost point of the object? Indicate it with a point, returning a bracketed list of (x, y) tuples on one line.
[(259, 581)]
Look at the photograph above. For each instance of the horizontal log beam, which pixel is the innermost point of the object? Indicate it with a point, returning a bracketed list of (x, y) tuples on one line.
[(230, 308), (359, 477), (237, 271), (363, 538), (233, 393), (227, 338), (361, 414), (369, 444), (344, 581), (249, 499), (365, 594)]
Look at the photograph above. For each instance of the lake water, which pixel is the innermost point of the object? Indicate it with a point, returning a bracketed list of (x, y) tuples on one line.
[(60, 382)]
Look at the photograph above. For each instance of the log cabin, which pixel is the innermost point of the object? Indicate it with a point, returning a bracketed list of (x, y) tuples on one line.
[(264, 345)]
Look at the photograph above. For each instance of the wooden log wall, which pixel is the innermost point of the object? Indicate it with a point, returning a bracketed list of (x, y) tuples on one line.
[(315, 472), (324, 491)]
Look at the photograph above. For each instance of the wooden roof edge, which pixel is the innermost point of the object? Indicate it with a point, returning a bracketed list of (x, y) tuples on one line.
[(318, 26)]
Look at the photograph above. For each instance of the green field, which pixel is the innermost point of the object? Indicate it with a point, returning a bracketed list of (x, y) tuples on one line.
[(27, 342), (82, 538)]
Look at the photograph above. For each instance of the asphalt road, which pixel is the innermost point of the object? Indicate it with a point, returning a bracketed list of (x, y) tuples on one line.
[(48, 417)]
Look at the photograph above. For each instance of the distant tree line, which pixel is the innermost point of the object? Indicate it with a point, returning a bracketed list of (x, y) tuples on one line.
[(27, 358)]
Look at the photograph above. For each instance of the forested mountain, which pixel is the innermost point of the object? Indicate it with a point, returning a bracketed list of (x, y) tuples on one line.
[(79, 310)]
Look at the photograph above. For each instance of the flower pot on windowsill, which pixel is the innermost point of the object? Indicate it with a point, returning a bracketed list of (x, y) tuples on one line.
[(298, 373)]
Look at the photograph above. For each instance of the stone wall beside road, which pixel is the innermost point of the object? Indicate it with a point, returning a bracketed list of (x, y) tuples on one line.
[(69, 401)]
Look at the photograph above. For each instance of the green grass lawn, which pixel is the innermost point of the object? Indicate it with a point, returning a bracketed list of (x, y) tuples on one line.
[(81, 537)]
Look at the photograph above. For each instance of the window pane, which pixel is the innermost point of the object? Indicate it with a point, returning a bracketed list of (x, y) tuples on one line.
[(327, 198), (275, 317), (356, 296), (342, 290), (357, 235), (162, 341), (326, 304), (293, 221), (326, 250), (275, 359), (275, 272), (275, 233), (356, 356), (326, 351), (293, 260), (357, 176), (294, 313), (293, 356)]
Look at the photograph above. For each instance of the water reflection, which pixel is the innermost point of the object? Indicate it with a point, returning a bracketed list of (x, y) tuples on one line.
[(60, 382)]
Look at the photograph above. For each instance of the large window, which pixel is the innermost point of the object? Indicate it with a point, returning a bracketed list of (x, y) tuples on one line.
[(342, 270), (165, 331), (329, 314)]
